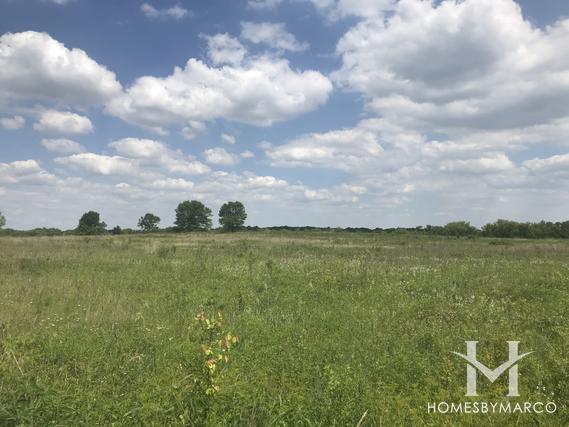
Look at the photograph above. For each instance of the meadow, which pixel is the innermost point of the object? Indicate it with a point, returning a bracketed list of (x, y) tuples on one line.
[(334, 328)]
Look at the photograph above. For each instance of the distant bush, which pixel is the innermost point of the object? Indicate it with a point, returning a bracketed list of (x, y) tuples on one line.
[(33, 232), (459, 229)]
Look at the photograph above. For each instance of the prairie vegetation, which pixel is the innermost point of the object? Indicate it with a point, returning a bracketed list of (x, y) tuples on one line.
[(306, 329)]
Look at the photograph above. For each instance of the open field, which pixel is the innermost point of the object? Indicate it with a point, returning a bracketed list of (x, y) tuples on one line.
[(102, 330)]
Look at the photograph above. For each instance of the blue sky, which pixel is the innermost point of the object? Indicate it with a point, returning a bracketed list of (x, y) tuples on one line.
[(312, 112)]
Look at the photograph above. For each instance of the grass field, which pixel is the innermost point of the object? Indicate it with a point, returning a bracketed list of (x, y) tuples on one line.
[(331, 326)]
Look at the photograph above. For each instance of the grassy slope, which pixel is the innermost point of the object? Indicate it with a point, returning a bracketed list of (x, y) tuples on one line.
[(98, 331)]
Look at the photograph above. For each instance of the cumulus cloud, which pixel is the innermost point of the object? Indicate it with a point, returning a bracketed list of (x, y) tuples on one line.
[(178, 184), (61, 122), (140, 148), (559, 162), (176, 12), (145, 159), (247, 154), (99, 164), (24, 172), (469, 64), (219, 156), (261, 91), (62, 146), (339, 194), (273, 35), (256, 181), (34, 66), (193, 130), (318, 194), (156, 154), (225, 49), (346, 149), (498, 163), (245, 186), (12, 123)]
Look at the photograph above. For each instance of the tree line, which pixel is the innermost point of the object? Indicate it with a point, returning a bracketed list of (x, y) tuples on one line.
[(195, 216), (190, 216)]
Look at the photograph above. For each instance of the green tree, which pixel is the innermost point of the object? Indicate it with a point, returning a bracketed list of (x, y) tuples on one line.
[(2, 220), (459, 228), (193, 215), (90, 223), (232, 216), (502, 228), (149, 222)]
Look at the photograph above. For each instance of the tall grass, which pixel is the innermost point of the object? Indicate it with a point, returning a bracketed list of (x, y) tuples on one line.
[(332, 326)]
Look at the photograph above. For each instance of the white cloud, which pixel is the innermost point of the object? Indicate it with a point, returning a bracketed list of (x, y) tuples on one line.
[(99, 164), (472, 64), (184, 166), (264, 4), (193, 130), (34, 66), (12, 123), (261, 91), (157, 155), (346, 149), (247, 154), (139, 148), (559, 162), (272, 34), (62, 146), (24, 172), (342, 194), (497, 163), (224, 49), (219, 156), (60, 122), (176, 12), (178, 184), (256, 181), (230, 139), (318, 194)]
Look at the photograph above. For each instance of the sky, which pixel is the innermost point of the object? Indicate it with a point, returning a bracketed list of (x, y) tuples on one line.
[(361, 113)]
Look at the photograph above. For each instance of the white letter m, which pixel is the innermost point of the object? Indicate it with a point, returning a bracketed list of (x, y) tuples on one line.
[(492, 375)]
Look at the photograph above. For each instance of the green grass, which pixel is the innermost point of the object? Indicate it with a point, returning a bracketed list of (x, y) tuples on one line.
[(101, 330)]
